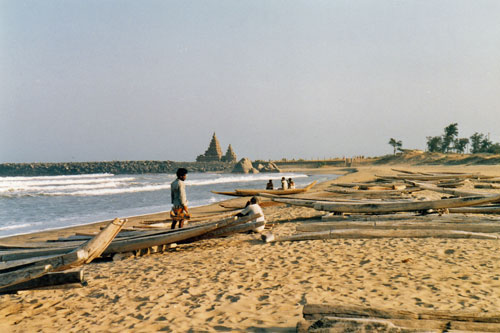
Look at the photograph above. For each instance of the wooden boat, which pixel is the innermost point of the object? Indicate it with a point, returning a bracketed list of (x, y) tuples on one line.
[(374, 207), (388, 207), (437, 177), (173, 236), (252, 192), (136, 241), (79, 256)]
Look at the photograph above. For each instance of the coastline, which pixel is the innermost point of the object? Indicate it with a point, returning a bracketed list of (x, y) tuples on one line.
[(241, 284)]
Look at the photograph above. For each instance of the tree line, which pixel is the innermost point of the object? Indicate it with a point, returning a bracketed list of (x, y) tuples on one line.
[(449, 142)]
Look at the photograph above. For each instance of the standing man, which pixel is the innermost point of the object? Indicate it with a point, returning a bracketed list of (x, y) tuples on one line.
[(179, 212)]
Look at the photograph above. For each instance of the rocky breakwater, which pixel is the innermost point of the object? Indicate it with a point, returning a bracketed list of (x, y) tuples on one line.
[(114, 167), (245, 165)]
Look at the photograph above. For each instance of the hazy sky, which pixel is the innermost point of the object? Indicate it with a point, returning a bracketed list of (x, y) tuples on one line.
[(132, 80)]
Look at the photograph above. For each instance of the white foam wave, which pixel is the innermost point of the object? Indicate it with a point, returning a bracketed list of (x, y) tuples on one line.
[(93, 175), (27, 183), (17, 226), (48, 189), (108, 191), (241, 179)]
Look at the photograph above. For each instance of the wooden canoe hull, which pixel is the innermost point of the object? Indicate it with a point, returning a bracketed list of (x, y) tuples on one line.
[(388, 207), (81, 255), (252, 192)]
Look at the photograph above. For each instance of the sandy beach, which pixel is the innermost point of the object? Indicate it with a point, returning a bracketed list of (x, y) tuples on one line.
[(240, 284)]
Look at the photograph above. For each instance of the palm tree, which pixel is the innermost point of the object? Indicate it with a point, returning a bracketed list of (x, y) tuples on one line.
[(395, 144)]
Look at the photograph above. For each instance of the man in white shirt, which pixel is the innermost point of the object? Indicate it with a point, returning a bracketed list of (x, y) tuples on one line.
[(253, 209)]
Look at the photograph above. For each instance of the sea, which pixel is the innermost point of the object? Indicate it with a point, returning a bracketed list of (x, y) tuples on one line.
[(31, 204)]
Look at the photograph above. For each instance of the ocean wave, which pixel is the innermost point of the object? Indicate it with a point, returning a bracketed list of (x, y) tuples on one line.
[(241, 179), (108, 191), (17, 226), (48, 189), (92, 175), (60, 182)]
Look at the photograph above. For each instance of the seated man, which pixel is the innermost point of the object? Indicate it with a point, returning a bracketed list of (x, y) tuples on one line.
[(269, 185), (284, 183), (253, 209)]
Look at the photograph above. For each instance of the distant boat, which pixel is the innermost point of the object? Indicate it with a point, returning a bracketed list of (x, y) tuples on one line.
[(252, 192)]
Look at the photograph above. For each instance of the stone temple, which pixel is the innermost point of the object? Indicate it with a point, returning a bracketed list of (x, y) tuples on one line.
[(214, 153)]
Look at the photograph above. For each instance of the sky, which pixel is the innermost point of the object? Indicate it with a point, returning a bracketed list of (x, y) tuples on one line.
[(110, 80)]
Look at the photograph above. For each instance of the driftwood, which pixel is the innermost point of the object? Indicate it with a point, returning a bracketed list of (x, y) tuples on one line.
[(392, 225), (367, 234), (47, 280)]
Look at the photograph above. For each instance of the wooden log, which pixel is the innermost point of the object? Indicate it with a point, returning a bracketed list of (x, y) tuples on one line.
[(344, 324), (489, 186), (312, 311), (476, 210), (388, 207), (373, 192), (50, 279), (452, 218), (391, 225), (369, 234), (437, 177), (459, 193)]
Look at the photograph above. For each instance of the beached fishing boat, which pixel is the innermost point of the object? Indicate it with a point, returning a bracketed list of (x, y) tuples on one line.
[(389, 207), (252, 192), (406, 206), (173, 236), (136, 241), (83, 254)]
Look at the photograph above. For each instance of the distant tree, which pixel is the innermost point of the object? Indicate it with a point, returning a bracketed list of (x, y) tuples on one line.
[(486, 145), (395, 144), (434, 144), (494, 148), (461, 145), (450, 132), (475, 141)]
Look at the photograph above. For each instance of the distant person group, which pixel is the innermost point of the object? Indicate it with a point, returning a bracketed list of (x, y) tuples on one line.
[(285, 184)]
